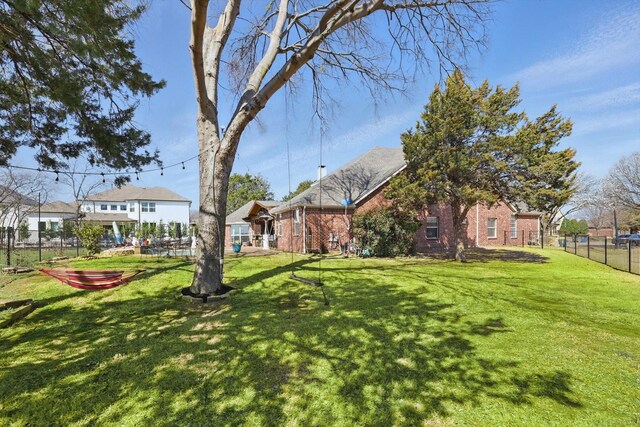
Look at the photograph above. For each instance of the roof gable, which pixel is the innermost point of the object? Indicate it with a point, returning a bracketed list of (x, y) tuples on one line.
[(353, 182), (248, 209)]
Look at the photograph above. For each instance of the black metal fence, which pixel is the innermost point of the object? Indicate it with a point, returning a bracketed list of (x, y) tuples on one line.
[(26, 248), (616, 253)]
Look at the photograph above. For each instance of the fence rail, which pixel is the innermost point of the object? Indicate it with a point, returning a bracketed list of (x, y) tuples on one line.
[(616, 253), (25, 248)]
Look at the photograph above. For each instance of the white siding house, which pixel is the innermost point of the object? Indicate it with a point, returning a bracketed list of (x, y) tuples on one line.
[(140, 204), (126, 205)]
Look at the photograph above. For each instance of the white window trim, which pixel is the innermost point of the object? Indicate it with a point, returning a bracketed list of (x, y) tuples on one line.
[(494, 228)]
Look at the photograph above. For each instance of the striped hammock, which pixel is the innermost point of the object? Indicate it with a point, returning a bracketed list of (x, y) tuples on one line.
[(93, 279)]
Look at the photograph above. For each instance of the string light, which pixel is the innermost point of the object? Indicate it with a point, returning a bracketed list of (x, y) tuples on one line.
[(103, 174), (57, 177), (103, 180)]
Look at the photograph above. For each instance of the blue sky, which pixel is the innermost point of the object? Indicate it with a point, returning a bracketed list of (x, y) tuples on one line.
[(581, 55)]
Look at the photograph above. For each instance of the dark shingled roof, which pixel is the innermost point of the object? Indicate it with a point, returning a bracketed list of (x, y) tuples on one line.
[(131, 192), (354, 181), (236, 217)]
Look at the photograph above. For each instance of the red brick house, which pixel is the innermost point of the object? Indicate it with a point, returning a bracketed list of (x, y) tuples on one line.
[(319, 218)]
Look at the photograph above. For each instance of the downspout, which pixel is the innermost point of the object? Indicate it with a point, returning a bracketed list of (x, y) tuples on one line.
[(477, 224), (304, 229)]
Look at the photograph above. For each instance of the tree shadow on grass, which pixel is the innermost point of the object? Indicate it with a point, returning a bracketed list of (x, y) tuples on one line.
[(272, 355), (504, 255), (487, 255)]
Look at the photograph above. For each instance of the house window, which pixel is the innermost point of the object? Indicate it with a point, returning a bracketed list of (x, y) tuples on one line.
[(123, 207), (492, 228), (103, 207), (279, 229), (55, 226), (132, 207), (296, 223), (432, 227), (148, 207), (240, 233), (114, 207), (514, 227), (42, 226)]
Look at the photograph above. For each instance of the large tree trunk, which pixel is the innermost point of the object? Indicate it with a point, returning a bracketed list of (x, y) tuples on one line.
[(458, 215), (215, 169)]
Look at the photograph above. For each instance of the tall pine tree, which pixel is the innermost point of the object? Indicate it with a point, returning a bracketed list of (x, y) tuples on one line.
[(471, 147), (70, 82)]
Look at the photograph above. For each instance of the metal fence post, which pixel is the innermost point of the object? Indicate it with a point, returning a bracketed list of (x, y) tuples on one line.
[(565, 242), (629, 249), (588, 247), (541, 239), (523, 238), (605, 250), (39, 232), (575, 244), (8, 246)]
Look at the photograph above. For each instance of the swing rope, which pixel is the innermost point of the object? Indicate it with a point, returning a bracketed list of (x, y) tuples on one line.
[(291, 228)]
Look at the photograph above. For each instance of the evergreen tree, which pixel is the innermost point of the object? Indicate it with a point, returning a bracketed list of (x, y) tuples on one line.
[(70, 82), (471, 147)]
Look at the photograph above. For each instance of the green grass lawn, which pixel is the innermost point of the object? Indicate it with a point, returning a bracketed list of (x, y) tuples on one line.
[(525, 337)]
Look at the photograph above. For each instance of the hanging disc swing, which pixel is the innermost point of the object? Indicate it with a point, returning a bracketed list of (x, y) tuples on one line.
[(315, 283)]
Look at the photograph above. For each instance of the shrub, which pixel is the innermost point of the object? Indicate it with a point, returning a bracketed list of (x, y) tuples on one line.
[(90, 236), (387, 232)]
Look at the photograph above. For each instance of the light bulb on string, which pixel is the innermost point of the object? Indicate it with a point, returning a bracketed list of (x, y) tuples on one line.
[(183, 168), (57, 177), (161, 171), (103, 180)]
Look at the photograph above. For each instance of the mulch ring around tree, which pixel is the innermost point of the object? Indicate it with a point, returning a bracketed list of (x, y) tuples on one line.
[(222, 293)]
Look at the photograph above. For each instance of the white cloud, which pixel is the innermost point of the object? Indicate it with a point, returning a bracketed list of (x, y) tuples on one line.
[(600, 122), (609, 46), (618, 97)]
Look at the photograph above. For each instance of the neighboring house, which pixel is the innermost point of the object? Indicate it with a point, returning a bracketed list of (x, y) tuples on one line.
[(138, 205), (250, 223), (51, 216), (14, 207), (319, 219), (601, 232), (126, 205)]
